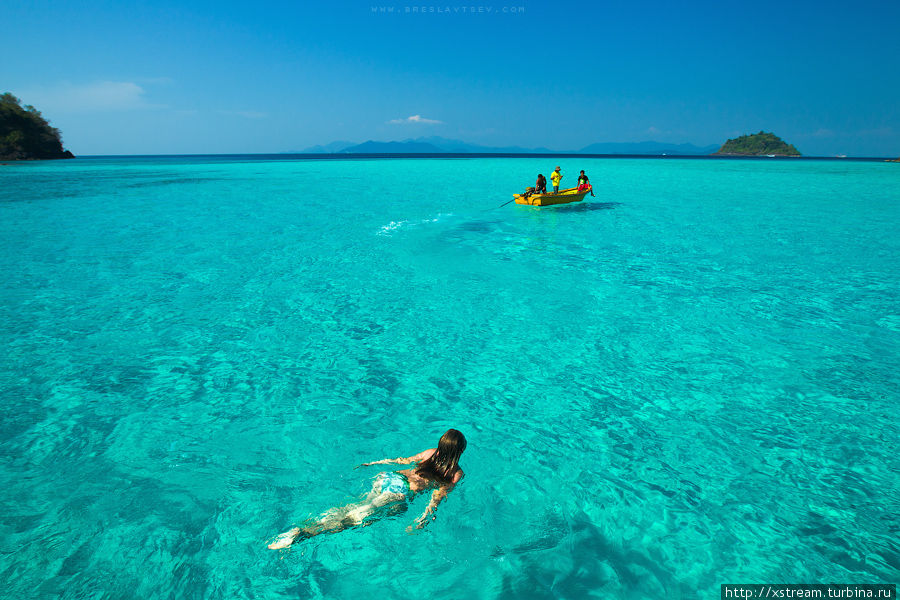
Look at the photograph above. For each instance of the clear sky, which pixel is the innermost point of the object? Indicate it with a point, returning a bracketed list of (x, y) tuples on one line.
[(227, 76)]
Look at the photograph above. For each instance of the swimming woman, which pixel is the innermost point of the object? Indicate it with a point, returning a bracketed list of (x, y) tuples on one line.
[(437, 470)]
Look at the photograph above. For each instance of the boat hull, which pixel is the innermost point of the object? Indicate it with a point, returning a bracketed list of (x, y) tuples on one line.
[(563, 197)]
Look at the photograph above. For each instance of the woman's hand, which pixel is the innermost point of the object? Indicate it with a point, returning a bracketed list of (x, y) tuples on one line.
[(420, 524)]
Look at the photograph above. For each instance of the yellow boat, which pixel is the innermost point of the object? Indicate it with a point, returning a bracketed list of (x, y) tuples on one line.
[(563, 197)]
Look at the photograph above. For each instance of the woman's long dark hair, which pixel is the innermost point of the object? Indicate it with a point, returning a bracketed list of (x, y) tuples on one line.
[(443, 464)]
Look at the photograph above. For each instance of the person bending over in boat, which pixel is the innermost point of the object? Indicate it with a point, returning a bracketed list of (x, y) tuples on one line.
[(438, 470), (541, 186), (584, 184), (555, 176)]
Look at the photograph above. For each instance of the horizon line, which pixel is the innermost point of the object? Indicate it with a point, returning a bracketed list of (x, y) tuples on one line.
[(339, 155)]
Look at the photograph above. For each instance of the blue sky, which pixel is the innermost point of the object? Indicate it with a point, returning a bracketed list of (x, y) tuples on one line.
[(166, 76)]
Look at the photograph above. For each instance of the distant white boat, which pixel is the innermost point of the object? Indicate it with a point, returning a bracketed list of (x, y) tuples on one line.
[(770, 155)]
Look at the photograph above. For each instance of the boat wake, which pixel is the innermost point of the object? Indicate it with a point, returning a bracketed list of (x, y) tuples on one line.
[(394, 226)]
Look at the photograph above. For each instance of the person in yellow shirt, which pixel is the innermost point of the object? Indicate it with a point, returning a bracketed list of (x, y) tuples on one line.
[(555, 177)]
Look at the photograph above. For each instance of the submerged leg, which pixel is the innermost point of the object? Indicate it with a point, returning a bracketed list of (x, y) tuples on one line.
[(340, 518), (285, 539), (333, 521)]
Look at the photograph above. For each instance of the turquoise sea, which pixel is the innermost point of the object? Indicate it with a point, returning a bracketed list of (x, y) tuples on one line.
[(691, 379)]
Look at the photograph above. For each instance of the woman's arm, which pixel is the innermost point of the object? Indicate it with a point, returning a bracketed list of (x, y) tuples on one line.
[(402, 461), (437, 496)]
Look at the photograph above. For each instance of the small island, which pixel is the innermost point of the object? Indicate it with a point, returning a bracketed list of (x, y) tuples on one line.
[(25, 134), (757, 144)]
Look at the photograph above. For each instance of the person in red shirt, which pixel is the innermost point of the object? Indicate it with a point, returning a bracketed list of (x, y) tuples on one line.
[(584, 184)]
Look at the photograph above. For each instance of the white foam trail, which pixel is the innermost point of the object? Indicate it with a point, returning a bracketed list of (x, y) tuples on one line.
[(394, 225), (387, 229)]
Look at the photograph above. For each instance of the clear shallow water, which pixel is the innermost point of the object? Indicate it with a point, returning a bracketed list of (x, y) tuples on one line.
[(689, 380)]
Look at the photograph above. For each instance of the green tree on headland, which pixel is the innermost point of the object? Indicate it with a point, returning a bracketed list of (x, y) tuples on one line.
[(25, 134), (758, 144)]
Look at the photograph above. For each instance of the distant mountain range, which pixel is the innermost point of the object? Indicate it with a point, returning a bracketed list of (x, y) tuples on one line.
[(331, 148), (438, 145)]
